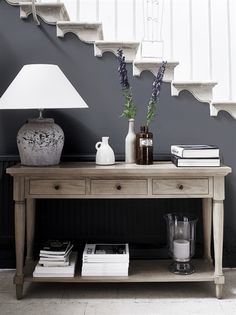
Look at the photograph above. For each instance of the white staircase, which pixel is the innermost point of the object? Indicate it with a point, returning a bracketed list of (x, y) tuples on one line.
[(92, 32)]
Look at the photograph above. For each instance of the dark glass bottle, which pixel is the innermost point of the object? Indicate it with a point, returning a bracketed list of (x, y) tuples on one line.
[(144, 146)]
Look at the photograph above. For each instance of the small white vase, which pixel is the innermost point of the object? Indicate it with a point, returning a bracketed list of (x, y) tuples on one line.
[(130, 144), (105, 154)]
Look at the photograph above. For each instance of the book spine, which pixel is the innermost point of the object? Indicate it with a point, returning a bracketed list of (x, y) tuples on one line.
[(174, 160), (177, 151)]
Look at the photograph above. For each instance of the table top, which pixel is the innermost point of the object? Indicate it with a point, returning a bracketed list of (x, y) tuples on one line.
[(160, 168)]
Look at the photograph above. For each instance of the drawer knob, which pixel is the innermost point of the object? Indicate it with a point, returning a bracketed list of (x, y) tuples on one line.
[(118, 187), (57, 187), (180, 186)]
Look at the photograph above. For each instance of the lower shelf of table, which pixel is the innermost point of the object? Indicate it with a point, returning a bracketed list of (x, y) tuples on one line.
[(139, 271)]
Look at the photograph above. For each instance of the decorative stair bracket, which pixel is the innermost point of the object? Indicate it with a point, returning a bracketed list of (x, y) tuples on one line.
[(87, 32), (202, 91), (228, 106), (153, 65), (50, 13), (129, 48), (16, 2)]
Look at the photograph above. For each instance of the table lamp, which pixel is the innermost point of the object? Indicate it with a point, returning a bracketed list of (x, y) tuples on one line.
[(41, 86)]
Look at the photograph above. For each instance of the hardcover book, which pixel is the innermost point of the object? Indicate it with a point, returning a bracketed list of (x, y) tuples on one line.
[(195, 151), (105, 269), (56, 256), (55, 247), (106, 253), (194, 162), (57, 271)]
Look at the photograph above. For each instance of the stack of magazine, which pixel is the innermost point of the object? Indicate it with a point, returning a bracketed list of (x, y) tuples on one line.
[(105, 260), (195, 155), (56, 260)]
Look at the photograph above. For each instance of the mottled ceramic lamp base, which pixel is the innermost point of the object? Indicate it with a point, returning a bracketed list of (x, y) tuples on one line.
[(40, 142)]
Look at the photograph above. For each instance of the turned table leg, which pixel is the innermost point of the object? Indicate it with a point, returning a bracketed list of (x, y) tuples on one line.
[(207, 226), (19, 234), (20, 243), (218, 226), (30, 227), (218, 231)]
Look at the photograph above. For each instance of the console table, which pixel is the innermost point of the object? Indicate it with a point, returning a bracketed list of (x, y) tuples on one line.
[(86, 180)]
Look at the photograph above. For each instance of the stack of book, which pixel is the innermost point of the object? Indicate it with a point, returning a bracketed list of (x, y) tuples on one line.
[(195, 155), (105, 260), (56, 260)]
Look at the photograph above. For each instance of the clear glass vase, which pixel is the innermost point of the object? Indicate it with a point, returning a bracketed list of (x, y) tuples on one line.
[(181, 235)]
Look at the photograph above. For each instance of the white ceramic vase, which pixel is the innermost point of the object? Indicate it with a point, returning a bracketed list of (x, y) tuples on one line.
[(130, 144), (105, 154)]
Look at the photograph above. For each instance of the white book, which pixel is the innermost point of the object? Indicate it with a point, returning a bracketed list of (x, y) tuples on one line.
[(63, 259), (57, 257), (54, 263), (104, 274), (114, 266), (53, 275), (55, 247), (195, 151), (194, 162), (106, 253), (64, 270)]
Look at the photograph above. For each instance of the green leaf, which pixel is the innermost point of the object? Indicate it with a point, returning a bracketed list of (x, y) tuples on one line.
[(129, 107)]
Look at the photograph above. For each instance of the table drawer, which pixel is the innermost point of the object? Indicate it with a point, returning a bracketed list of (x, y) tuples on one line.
[(119, 187), (180, 186), (57, 187)]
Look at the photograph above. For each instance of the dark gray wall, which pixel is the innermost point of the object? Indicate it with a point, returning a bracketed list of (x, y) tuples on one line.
[(180, 119)]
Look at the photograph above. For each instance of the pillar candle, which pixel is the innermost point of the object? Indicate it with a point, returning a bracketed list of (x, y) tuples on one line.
[(181, 249)]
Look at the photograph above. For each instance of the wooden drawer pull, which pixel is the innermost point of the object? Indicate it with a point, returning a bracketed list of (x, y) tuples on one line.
[(118, 187), (57, 187), (180, 186)]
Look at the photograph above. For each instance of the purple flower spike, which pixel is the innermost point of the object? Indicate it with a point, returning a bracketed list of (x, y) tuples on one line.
[(129, 110), (122, 69), (156, 88)]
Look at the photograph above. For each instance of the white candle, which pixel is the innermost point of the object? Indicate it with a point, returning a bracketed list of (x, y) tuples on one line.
[(181, 250)]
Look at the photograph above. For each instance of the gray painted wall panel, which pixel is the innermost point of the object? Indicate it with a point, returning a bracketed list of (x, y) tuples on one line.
[(180, 119)]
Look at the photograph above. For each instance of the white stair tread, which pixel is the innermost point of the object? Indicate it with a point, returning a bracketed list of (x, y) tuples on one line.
[(194, 83), (81, 24), (154, 61), (117, 43), (233, 103)]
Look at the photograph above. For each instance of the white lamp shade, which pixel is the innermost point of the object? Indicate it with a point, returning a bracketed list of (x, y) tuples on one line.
[(41, 86)]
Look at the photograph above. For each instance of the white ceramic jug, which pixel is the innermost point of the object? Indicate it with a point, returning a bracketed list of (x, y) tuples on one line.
[(105, 154)]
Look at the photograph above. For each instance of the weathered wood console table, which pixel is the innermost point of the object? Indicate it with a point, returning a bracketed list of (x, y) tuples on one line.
[(85, 180)]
